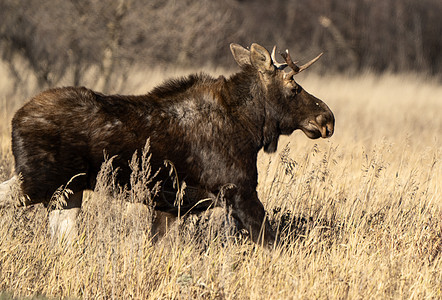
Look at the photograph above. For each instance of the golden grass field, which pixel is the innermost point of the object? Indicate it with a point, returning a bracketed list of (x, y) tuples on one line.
[(360, 214)]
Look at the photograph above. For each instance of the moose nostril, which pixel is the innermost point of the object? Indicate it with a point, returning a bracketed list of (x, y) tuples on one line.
[(320, 120), (325, 125), (329, 130)]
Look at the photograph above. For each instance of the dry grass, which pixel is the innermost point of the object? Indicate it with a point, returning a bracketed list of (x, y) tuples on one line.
[(360, 215)]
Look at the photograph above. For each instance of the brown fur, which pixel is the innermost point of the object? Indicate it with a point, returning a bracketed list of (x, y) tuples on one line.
[(211, 129)]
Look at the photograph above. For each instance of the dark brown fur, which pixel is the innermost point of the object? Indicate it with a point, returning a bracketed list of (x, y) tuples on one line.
[(211, 129)]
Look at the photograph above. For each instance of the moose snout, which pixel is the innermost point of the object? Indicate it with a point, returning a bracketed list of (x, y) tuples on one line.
[(325, 124)]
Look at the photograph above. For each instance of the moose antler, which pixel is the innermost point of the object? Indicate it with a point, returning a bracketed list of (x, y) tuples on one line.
[(275, 62), (293, 66)]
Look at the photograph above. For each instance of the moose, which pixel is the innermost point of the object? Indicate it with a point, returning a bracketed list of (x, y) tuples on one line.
[(211, 129)]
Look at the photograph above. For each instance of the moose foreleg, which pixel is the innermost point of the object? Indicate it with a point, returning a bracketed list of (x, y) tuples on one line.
[(250, 213)]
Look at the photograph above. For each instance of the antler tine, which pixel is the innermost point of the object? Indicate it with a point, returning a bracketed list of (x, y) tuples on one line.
[(275, 62), (294, 67), (290, 63), (305, 66)]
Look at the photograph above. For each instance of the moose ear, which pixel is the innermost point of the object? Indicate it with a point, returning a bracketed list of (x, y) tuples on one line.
[(260, 58), (240, 54)]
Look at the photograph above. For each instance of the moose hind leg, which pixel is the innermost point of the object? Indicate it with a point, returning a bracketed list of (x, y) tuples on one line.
[(6, 190), (63, 222)]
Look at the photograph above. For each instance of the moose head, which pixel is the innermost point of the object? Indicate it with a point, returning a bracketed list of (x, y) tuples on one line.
[(287, 105)]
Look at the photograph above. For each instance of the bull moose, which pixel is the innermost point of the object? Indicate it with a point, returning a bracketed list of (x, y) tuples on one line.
[(211, 129)]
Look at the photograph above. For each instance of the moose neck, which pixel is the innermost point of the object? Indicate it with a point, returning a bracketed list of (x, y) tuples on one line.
[(248, 98)]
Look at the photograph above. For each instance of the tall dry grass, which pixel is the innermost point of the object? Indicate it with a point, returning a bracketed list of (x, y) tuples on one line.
[(359, 215)]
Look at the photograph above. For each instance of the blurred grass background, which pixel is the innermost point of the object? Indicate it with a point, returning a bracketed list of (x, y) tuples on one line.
[(62, 41)]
